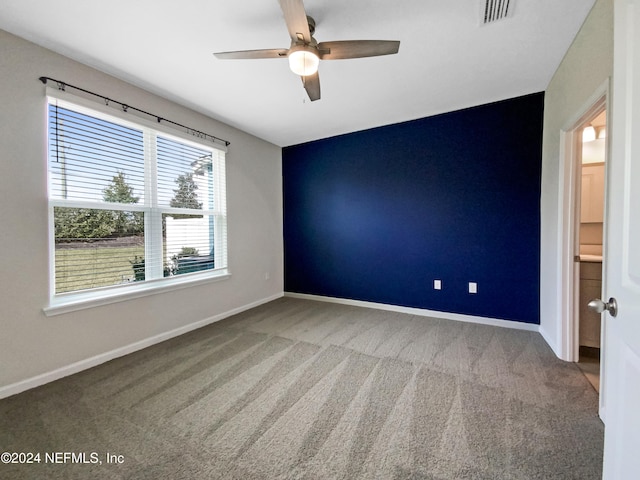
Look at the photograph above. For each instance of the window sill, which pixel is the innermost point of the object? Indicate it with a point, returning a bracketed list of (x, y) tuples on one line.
[(72, 302)]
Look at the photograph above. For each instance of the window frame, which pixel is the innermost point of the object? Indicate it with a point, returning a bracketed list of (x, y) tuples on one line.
[(60, 303)]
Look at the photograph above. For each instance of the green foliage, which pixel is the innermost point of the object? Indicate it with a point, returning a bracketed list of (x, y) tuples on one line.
[(119, 191), (139, 269), (82, 223), (186, 195), (124, 223), (86, 223), (189, 260), (186, 251)]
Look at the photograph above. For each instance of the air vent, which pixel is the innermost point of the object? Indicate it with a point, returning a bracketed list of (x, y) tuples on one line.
[(494, 10)]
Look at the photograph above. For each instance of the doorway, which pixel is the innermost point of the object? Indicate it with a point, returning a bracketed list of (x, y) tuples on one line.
[(569, 226), (589, 218)]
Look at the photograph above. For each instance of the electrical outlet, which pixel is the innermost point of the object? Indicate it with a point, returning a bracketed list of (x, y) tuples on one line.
[(473, 287), (437, 284), (266, 275)]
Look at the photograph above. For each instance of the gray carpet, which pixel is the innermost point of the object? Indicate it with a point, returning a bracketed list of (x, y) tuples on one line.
[(298, 389)]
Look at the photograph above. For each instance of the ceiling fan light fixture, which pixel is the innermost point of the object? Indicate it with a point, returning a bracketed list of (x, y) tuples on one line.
[(303, 60)]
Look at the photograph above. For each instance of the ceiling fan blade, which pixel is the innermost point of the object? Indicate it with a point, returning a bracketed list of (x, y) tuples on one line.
[(296, 20), (312, 86), (357, 48), (253, 54)]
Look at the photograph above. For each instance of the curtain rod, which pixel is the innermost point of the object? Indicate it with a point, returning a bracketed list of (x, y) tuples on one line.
[(63, 85)]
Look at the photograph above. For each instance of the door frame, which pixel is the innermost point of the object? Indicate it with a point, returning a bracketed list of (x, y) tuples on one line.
[(569, 224)]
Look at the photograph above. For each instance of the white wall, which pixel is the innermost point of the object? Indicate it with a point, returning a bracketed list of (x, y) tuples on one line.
[(594, 151), (585, 68), (32, 344)]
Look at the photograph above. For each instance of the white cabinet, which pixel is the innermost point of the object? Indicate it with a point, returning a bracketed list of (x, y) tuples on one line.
[(590, 288), (592, 197)]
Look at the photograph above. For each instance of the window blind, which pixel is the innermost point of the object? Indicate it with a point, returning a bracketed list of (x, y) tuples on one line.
[(130, 204)]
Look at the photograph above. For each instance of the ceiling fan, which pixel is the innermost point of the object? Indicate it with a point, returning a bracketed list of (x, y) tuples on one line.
[(305, 52)]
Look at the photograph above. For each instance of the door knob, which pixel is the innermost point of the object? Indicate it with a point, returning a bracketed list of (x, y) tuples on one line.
[(599, 306)]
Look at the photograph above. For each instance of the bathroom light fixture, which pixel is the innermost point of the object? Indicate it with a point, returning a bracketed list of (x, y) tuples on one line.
[(303, 60), (588, 134), (602, 133)]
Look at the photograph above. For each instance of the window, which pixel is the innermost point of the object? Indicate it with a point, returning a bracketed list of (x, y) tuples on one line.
[(130, 205)]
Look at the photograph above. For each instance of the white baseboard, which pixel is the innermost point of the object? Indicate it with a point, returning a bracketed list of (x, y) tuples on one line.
[(85, 364), (602, 412), (496, 322), (553, 345)]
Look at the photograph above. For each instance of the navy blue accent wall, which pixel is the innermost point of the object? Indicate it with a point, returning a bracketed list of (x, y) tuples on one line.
[(378, 215)]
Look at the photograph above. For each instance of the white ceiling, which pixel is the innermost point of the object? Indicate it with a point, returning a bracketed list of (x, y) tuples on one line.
[(447, 59)]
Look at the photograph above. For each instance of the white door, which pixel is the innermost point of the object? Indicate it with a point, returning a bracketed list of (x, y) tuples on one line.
[(621, 387)]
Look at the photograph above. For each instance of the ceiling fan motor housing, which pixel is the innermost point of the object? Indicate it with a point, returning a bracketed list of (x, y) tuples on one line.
[(312, 25)]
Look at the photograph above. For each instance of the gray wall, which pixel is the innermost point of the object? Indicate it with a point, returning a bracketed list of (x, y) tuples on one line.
[(585, 67), (31, 343)]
